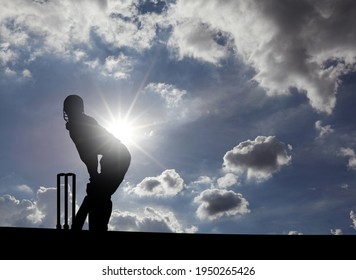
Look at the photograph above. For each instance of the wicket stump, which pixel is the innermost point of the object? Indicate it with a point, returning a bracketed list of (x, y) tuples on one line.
[(66, 197)]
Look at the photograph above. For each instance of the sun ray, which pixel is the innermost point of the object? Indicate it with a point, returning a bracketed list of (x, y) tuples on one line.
[(142, 84), (151, 157), (130, 130), (123, 124)]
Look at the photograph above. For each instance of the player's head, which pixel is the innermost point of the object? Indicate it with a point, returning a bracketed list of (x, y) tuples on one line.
[(73, 106)]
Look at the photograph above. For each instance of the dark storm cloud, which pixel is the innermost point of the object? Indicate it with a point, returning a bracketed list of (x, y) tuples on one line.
[(217, 203), (260, 158)]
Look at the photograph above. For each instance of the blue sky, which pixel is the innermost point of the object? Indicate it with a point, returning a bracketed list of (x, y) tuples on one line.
[(239, 115)]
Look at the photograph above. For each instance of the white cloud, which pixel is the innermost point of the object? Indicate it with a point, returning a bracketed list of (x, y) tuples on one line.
[(304, 44), (31, 29), (170, 94), (205, 180), (345, 186), (348, 152), (200, 184), (40, 212), (118, 67), (26, 73), (125, 27), (18, 213), (323, 130), (228, 180), (336, 231), (353, 219), (152, 220), (46, 202), (192, 38), (171, 103), (294, 232), (7, 55), (217, 203), (169, 183), (259, 158), (9, 72), (24, 189)]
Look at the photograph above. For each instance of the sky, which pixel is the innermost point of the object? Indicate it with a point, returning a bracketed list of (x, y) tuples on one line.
[(239, 115)]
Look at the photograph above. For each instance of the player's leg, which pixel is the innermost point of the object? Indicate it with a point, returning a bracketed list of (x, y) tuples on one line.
[(99, 213), (81, 215)]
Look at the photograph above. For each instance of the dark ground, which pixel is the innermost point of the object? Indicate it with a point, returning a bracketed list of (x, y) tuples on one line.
[(53, 244)]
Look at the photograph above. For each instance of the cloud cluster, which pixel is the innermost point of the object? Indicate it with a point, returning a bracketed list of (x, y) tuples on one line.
[(152, 220), (259, 158), (42, 212), (167, 184), (73, 30), (18, 213), (217, 203), (307, 45), (39, 212)]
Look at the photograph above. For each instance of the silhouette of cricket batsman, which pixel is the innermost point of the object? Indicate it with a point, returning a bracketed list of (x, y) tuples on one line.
[(92, 140)]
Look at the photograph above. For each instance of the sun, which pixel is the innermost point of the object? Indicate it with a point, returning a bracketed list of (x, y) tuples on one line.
[(131, 131), (124, 130)]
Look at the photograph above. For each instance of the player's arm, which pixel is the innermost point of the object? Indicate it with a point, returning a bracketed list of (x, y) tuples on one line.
[(90, 159)]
